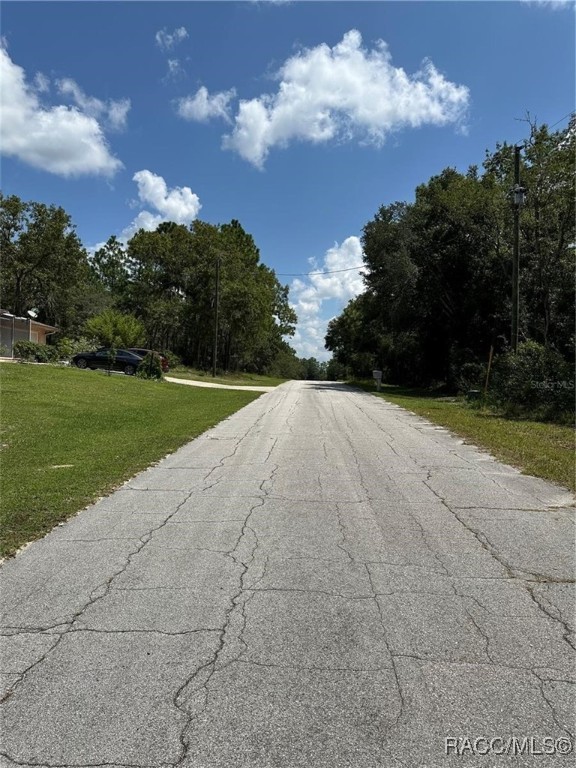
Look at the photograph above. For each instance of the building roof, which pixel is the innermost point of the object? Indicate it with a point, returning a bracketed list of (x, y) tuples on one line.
[(6, 314)]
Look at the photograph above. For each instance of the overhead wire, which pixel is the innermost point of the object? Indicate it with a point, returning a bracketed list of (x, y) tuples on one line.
[(328, 272), (524, 141), (359, 266)]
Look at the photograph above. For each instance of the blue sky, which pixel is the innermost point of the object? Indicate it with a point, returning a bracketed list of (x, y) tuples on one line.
[(299, 119)]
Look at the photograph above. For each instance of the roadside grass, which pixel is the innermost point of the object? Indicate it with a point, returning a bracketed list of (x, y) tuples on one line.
[(70, 436), (233, 379), (536, 448)]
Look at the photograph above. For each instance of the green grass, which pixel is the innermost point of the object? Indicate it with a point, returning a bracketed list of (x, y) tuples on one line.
[(70, 436), (536, 448), (233, 379)]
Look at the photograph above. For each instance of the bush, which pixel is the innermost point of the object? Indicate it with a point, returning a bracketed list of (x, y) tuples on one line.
[(150, 367), (465, 370), (114, 329), (67, 347), (470, 376), (173, 359), (535, 379), (32, 352)]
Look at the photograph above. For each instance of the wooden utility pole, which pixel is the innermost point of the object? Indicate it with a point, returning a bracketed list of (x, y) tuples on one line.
[(516, 254), (216, 303)]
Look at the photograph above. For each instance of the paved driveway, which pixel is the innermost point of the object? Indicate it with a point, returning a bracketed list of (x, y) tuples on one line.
[(214, 385), (322, 580)]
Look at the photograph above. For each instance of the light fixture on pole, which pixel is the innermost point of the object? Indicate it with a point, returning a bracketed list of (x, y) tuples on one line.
[(519, 195)]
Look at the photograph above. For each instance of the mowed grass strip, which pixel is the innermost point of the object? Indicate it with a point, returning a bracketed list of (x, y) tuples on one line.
[(70, 436), (536, 448)]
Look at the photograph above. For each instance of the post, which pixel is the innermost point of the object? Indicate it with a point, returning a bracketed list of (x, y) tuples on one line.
[(216, 302), (488, 369), (516, 256)]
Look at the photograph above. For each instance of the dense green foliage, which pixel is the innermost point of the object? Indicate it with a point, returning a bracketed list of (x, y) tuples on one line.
[(537, 379), (114, 329), (162, 289), (439, 272), (171, 280), (32, 352), (150, 367), (44, 265)]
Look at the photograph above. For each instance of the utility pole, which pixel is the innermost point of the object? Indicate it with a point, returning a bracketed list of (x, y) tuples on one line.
[(216, 303), (518, 193)]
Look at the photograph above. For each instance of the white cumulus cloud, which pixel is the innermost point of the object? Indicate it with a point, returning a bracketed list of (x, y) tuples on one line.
[(178, 204), (333, 280), (166, 41), (344, 92), (114, 112), (203, 106), (63, 140)]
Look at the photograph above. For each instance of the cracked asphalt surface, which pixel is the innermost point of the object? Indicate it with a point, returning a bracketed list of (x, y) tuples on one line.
[(323, 580)]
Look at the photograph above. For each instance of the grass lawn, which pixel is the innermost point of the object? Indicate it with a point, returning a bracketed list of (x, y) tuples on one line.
[(536, 448), (70, 436), (233, 379)]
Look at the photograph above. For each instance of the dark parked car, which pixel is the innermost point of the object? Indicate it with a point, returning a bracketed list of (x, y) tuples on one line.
[(125, 360), (144, 352)]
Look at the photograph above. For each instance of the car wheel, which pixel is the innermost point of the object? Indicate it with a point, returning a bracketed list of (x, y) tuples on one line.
[(129, 370), (81, 363)]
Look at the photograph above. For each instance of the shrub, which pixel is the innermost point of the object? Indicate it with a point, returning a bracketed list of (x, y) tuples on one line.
[(173, 359), (465, 370), (470, 376), (67, 347), (114, 329), (535, 379), (30, 351), (150, 367)]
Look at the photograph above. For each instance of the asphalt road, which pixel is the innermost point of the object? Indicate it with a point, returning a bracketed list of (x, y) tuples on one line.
[(323, 580)]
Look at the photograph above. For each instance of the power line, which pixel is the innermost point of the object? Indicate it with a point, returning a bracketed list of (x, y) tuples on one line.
[(359, 266), (307, 274), (522, 119), (561, 119)]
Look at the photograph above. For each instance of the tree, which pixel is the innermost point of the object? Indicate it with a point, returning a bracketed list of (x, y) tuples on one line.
[(111, 267), (44, 266), (351, 337), (285, 364), (438, 283), (547, 231), (172, 288), (314, 370), (114, 329)]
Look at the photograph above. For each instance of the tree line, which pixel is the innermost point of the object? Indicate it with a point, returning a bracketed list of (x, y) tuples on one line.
[(172, 280), (439, 272)]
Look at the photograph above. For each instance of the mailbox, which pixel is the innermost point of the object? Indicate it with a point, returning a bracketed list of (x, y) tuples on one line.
[(377, 375)]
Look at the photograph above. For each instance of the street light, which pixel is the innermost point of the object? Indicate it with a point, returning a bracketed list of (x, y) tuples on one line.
[(519, 194), (519, 197)]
